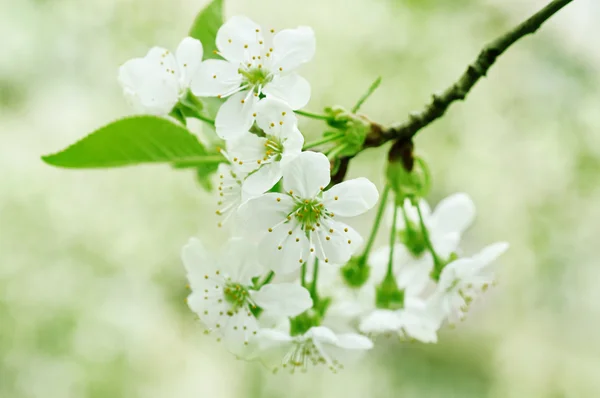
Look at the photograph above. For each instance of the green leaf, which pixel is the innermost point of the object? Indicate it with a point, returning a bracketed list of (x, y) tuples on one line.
[(134, 140), (206, 25)]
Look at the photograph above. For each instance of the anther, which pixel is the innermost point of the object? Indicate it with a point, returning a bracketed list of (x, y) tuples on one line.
[(270, 229), (279, 199), (289, 232), (335, 198), (345, 229)]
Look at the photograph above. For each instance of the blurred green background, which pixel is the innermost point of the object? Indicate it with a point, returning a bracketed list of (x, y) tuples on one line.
[(91, 285)]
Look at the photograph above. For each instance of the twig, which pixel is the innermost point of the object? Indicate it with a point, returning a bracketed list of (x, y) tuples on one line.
[(459, 90)]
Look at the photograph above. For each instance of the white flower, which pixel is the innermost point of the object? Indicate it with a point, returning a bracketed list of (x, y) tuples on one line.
[(462, 279), (451, 217), (304, 219), (415, 321), (256, 62), (319, 345), (155, 83), (230, 192), (262, 157), (223, 296)]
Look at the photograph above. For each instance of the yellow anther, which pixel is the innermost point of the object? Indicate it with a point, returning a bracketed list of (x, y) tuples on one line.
[(291, 192), (327, 238), (331, 230), (281, 123), (245, 46), (349, 241), (214, 76), (326, 260), (229, 40), (259, 66), (254, 115), (300, 261), (289, 232), (271, 49), (297, 239), (279, 247), (258, 161), (218, 212), (345, 229), (312, 249), (335, 198), (280, 69), (205, 276), (257, 30), (279, 199), (260, 42), (235, 159), (243, 101), (240, 163), (272, 124)]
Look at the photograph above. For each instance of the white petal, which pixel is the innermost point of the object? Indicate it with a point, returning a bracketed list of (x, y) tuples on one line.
[(293, 47), (274, 116), (306, 174), (234, 35), (454, 214), (235, 116), (490, 253), (266, 211), (263, 179), (354, 341), (240, 257), (335, 247), (149, 86), (285, 248), (245, 152), (419, 325), (189, 57), (413, 275), (351, 198), (196, 260), (380, 321), (445, 244), (289, 299), (322, 335), (292, 89), (293, 141), (271, 338), (215, 77)]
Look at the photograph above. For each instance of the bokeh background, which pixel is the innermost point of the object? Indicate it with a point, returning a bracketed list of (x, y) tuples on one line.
[(91, 285)]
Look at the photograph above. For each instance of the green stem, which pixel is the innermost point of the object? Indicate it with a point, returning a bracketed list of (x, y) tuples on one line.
[(267, 280), (366, 95), (336, 150), (380, 210), (436, 259), (303, 274), (313, 115), (313, 288), (390, 265), (322, 141)]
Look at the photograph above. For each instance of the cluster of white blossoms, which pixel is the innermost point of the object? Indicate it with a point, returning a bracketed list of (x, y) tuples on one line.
[(296, 285)]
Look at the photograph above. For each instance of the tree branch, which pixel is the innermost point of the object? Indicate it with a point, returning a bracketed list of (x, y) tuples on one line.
[(459, 90)]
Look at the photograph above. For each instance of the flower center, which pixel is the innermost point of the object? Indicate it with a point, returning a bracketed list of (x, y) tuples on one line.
[(308, 212), (256, 76), (273, 148), (236, 294)]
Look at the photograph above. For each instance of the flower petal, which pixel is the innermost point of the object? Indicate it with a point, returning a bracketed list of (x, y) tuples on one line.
[(454, 214), (263, 179), (293, 47), (197, 262), (240, 257), (351, 198), (335, 242), (306, 174), (288, 299), (235, 116), (412, 214), (380, 321), (259, 214), (189, 57), (215, 77), (149, 86), (490, 253), (322, 334), (285, 248), (291, 89), (238, 38), (274, 116), (246, 152), (354, 341), (293, 141)]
